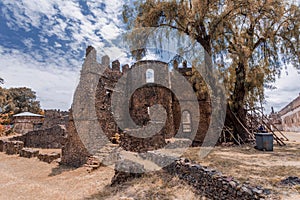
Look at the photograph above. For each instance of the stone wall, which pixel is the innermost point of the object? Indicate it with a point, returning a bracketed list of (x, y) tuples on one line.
[(55, 117), (50, 138), (2, 145), (207, 182), (74, 152), (212, 183), (13, 147), (29, 153)]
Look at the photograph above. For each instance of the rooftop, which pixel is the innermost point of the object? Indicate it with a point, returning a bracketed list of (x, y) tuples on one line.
[(27, 114)]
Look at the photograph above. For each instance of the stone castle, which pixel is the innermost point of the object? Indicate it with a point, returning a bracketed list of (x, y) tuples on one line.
[(148, 94)]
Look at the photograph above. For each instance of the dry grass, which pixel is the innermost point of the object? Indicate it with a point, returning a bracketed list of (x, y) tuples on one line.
[(258, 167), (153, 186)]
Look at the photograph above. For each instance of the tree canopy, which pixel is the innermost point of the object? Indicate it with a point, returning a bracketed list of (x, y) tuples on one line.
[(16, 100), (250, 41)]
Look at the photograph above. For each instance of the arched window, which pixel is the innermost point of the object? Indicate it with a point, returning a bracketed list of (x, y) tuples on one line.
[(150, 76), (186, 122)]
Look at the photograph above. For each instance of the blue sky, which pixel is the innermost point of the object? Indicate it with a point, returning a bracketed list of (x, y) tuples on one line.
[(42, 46)]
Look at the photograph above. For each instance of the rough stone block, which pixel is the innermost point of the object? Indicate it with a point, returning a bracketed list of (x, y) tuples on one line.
[(13, 147), (48, 157), (29, 153)]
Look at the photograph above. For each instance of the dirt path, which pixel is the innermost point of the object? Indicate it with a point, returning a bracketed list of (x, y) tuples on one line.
[(22, 178)]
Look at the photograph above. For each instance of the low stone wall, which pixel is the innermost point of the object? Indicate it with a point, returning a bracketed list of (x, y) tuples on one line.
[(13, 147), (55, 117), (212, 183), (29, 153), (50, 138), (207, 182), (2, 145), (48, 157), (126, 170)]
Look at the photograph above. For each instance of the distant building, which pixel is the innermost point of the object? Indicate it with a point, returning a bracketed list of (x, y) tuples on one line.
[(27, 121), (288, 118)]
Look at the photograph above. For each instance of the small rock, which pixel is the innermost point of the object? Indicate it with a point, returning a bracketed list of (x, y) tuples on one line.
[(233, 184), (247, 190)]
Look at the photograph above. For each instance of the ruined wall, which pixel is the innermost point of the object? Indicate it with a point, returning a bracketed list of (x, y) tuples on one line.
[(104, 92), (50, 138), (207, 182), (74, 152), (213, 184), (55, 117), (204, 104)]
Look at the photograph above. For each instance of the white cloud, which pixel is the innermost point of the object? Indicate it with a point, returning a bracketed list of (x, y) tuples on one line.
[(43, 14), (28, 42), (53, 84), (57, 45), (56, 78), (110, 31)]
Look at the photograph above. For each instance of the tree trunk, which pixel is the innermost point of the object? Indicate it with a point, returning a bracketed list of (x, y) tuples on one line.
[(238, 101)]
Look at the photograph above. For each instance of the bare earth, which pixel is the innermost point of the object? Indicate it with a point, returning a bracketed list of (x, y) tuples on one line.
[(22, 178)]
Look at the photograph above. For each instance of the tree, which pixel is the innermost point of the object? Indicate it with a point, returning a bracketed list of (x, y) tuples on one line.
[(256, 37), (16, 100)]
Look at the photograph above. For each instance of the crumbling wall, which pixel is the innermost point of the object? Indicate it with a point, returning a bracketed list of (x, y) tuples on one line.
[(13, 147), (55, 117), (50, 138), (212, 183), (74, 152)]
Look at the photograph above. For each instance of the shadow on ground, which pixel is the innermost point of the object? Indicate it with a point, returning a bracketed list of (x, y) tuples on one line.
[(59, 169)]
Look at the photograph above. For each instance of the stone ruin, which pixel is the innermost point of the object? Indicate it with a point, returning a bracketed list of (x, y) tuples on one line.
[(51, 134), (207, 182), (74, 152)]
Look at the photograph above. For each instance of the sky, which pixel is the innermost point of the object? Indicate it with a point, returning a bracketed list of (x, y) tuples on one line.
[(43, 42)]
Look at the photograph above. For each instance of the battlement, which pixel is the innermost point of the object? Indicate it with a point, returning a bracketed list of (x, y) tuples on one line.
[(115, 66)]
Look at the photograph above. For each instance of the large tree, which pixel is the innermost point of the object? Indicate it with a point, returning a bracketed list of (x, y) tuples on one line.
[(249, 40), (16, 100)]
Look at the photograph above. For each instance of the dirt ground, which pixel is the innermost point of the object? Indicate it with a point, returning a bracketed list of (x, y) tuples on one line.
[(263, 168), (22, 178)]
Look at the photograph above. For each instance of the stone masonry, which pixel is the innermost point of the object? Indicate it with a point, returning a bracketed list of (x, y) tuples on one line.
[(74, 152), (51, 138)]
